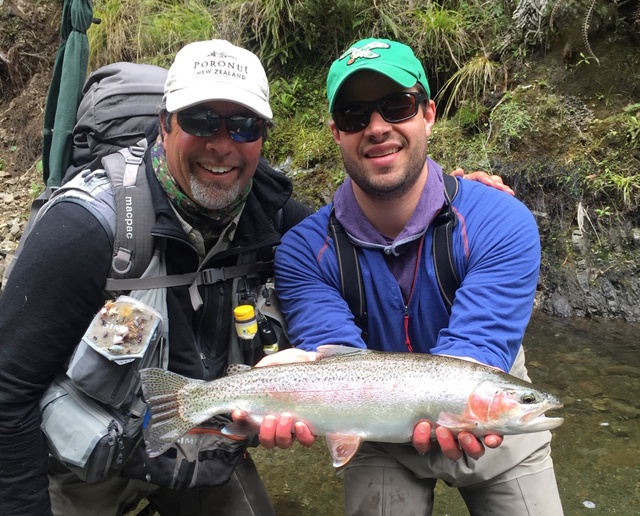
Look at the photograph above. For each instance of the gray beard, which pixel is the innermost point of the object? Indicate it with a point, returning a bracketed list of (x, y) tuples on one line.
[(211, 197)]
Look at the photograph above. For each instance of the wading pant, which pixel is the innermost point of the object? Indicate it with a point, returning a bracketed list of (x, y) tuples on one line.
[(243, 495), (393, 479)]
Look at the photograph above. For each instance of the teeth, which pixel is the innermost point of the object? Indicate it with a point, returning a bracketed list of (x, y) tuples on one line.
[(217, 170), (384, 153)]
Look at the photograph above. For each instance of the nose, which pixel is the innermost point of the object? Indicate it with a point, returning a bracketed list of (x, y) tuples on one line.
[(220, 140), (377, 124)]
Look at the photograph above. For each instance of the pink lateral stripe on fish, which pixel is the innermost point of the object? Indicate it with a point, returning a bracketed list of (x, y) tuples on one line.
[(351, 395)]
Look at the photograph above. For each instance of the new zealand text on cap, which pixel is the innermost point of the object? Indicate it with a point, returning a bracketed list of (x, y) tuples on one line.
[(395, 60), (211, 70)]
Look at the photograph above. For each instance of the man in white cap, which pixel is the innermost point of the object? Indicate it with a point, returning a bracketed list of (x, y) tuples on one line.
[(218, 206)]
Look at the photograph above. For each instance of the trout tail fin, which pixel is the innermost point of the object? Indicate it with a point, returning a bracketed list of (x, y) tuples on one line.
[(165, 421)]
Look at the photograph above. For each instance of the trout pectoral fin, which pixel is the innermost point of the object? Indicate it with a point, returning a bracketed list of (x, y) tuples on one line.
[(242, 429), (342, 447), (455, 422)]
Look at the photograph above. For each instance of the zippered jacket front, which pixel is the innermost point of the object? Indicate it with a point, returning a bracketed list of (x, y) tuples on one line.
[(496, 252)]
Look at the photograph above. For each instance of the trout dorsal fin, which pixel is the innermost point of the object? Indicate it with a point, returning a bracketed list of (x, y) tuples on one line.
[(343, 447), (332, 350)]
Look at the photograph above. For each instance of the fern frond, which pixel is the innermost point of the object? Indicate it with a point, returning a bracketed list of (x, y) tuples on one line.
[(585, 31)]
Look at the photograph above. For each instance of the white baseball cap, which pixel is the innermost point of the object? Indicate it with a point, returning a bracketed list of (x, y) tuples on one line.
[(217, 70)]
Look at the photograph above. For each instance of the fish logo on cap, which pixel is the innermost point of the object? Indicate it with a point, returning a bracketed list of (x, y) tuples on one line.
[(365, 52), (221, 54)]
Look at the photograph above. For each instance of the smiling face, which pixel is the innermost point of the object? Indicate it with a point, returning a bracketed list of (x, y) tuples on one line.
[(385, 160), (212, 170)]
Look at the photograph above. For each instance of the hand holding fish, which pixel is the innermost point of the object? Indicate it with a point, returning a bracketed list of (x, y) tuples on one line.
[(280, 432), (452, 447), (287, 356)]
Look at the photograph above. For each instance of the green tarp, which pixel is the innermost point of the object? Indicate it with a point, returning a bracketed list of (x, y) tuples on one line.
[(69, 72)]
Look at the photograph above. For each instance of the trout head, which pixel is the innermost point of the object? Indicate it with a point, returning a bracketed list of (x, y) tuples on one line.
[(504, 409)]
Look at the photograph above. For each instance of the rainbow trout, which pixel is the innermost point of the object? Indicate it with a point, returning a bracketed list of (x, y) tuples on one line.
[(349, 396)]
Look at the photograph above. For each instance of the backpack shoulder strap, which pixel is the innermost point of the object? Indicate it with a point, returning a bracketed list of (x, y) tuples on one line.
[(133, 243), (350, 274), (442, 247)]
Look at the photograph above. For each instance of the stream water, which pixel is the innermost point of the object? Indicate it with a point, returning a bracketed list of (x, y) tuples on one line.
[(593, 366)]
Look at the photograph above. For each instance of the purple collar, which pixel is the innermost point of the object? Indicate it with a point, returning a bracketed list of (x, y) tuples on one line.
[(359, 228)]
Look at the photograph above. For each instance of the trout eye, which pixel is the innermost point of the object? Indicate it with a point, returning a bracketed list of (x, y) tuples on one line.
[(528, 398)]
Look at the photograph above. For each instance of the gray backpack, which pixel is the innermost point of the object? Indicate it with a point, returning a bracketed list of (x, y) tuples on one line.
[(119, 103)]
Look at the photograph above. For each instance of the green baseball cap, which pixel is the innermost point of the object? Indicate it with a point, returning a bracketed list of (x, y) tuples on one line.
[(395, 60)]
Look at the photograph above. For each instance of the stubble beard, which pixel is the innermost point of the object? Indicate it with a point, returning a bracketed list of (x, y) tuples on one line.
[(387, 191)]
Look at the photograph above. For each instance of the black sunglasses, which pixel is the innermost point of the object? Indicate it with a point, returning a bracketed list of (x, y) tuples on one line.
[(394, 108), (241, 129)]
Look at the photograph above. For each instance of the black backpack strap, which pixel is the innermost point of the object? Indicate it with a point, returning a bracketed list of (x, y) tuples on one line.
[(445, 221), (350, 275)]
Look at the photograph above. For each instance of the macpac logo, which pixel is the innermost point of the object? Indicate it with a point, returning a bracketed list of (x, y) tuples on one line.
[(128, 217)]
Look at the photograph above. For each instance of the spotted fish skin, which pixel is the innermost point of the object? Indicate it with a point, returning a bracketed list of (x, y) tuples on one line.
[(351, 396)]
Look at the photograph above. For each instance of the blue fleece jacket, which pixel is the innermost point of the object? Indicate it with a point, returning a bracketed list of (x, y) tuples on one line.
[(497, 255)]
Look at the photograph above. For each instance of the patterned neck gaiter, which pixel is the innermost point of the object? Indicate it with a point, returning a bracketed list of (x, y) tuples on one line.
[(209, 223)]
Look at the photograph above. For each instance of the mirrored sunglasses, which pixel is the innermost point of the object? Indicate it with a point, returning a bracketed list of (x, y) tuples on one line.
[(241, 129), (394, 108)]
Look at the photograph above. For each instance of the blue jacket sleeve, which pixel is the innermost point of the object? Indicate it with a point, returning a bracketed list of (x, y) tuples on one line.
[(498, 256)]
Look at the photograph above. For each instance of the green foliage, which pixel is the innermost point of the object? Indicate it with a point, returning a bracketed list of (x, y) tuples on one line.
[(633, 123), (453, 148), (35, 189), (110, 40), (301, 92), (468, 48), (440, 33), (614, 184), (471, 116), (150, 31), (168, 24), (510, 123), (287, 33), (473, 80), (303, 141), (301, 134), (633, 131), (586, 60)]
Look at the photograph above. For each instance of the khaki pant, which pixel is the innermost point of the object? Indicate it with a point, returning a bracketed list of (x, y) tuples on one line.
[(243, 495), (381, 482)]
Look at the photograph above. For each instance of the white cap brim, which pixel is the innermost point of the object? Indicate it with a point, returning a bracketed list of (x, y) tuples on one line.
[(183, 98)]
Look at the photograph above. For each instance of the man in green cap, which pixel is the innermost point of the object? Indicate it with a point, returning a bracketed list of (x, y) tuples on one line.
[(382, 118)]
